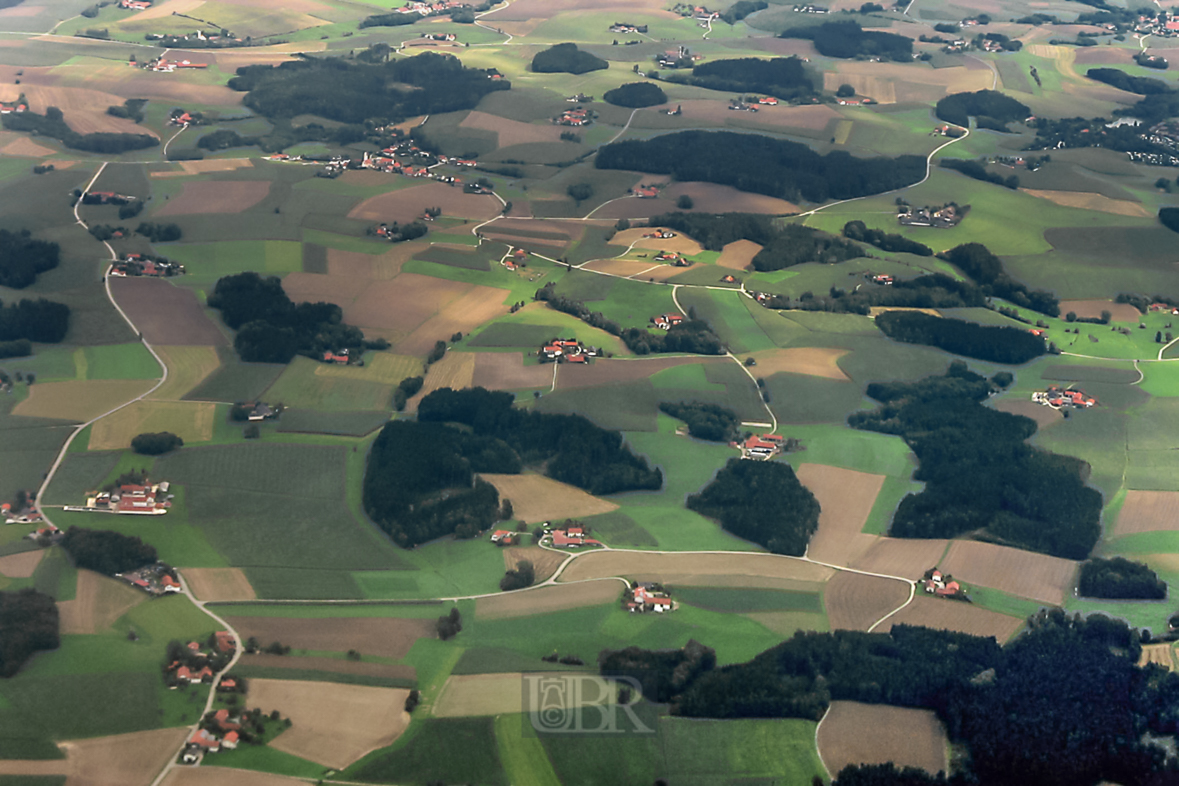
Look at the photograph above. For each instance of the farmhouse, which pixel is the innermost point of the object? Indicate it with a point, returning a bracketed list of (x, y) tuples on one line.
[(729, 279), (566, 350), (342, 357), (646, 192), (661, 234), (105, 198), (129, 499), (1165, 308), (667, 321), (262, 411), (942, 585), (767, 101), (761, 447), (883, 279), (158, 579), (8, 108), (579, 116), (143, 265), (627, 28), (573, 536), (1059, 398), (940, 218), (648, 596), (135, 5), (503, 537)]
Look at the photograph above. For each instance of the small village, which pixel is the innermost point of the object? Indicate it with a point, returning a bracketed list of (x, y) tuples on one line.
[(672, 258), (1063, 398), (131, 265), (577, 117), (647, 596), (943, 217), (129, 500), (567, 350), (156, 580), (162, 65), (942, 585)]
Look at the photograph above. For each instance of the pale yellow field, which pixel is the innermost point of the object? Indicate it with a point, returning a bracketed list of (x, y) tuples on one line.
[(187, 368), (219, 583), (456, 370), (386, 368), (485, 694), (696, 569), (876, 311), (1091, 201), (27, 148), (1157, 653), (21, 566), (813, 361), (536, 498), (215, 165), (226, 776), (100, 600), (192, 421), (545, 600), (79, 400)]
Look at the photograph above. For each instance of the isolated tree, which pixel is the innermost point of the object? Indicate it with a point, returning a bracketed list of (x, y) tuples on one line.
[(580, 191), (684, 202), (506, 513), (845, 91), (252, 431)]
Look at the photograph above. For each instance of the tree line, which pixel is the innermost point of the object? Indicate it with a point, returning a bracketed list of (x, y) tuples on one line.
[(933, 290), (784, 77), (53, 125), (1118, 578), (1118, 78), (858, 230), (710, 422), (974, 169), (635, 95), (29, 622), (39, 320), (22, 258), (986, 269), (107, 552), (997, 343), (763, 502), (762, 165), (989, 108), (980, 474), (846, 39)]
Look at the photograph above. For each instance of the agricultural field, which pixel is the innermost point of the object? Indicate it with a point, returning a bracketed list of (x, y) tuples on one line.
[(855, 733)]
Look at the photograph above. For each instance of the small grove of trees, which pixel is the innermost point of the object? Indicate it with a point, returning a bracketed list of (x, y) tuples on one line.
[(53, 125), (990, 109), (107, 552), (22, 258), (449, 625), (28, 622), (784, 77), (974, 169), (19, 348), (986, 269), (635, 95), (997, 343), (405, 390), (566, 58), (1120, 579), (858, 230), (519, 577), (705, 421), (156, 443), (845, 38), (159, 232), (580, 192), (1169, 217)]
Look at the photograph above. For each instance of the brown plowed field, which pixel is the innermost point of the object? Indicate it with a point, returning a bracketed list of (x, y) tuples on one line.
[(79, 400), (386, 637), (512, 132), (27, 148), (21, 566), (1023, 573), (713, 198), (956, 616), (891, 83), (738, 254), (1044, 416), (813, 361), (333, 665), (902, 557), (331, 723), (122, 759), (544, 561), (99, 601), (84, 109), (845, 499), (855, 733), (506, 371), (219, 584), (456, 370), (379, 267), (536, 498), (640, 269), (1091, 309), (855, 602), (216, 196), (1148, 511), (166, 314), (406, 204), (476, 305), (608, 371), (681, 243), (545, 600), (1090, 201), (226, 776), (696, 569)]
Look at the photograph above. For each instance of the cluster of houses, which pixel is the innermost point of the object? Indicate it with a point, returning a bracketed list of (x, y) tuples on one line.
[(106, 198), (426, 9), (1061, 398), (162, 64), (516, 260), (142, 265), (667, 321), (182, 118), (440, 36), (504, 537), (940, 218), (10, 107), (129, 500), (155, 580), (865, 101), (760, 446), (737, 105), (883, 279), (1150, 24), (339, 357), (672, 258), (578, 116), (572, 535), (660, 234), (567, 350), (647, 596), (580, 98), (199, 664), (1153, 159), (1163, 308), (810, 9), (626, 28), (942, 585), (26, 513), (45, 536), (680, 57), (646, 192)]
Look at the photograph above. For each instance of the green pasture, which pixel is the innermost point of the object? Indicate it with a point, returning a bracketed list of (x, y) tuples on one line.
[(537, 325), (263, 758), (444, 568), (347, 424), (116, 361), (499, 277), (300, 387), (842, 446), (728, 316), (204, 263), (733, 600), (456, 750), (523, 756), (235, 380)]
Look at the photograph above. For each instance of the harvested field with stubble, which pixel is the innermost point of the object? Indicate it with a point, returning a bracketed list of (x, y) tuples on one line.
[(506, 371), (812, 361), (332, 665), (546, 600), (536, 498), (738, 254), (99, 601), (216, 196), (544, 561), (1091, 201), (954, 615), (122, 759), (854, 733), (187, 368), (219, 584), (1014, 571), (891, 83), (1091, 309), (79, 400), (512, 132), (331, 723), (609, 371), (856, 602), (456, 371), (387, 637), (908, 558), (469, 695), (699, 569), (84, 109), (166, 314), (407, 204), (378, 267), (639, 269), (27, 148), (215, 165), (681, 243), (189, 420), (1148, 511), (1160, 654), (1044, 416), (477, 305), (845, 499), (21, 566)]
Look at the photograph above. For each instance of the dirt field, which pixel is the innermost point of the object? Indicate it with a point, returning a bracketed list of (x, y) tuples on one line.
[(1157, 653), (1148, 511), (890, 83), (1091, 201), (166, 8), (407, 204), (813, 361), (225, 776), (20, 566), (187, 368), (216, 196), (1036, 576), (712, 198), (546, 9), (702, 570), (639, 269), (608, 371), (738, 254), (215, 165), (331, 723), (378, 267), (902, 556), (84, 109), (856, 602), (512, 132), (219, 583), (855, 733), (547, 600), (1044, 416), (27, 148), (120, 760), (79, 400), (956, 616), (506, 371), (1119, 312), (386, 637), (681, 243), (191, 421), (536, 498), (545, 561), (846, 498), (472, 308), (166, 314), (456, 370), (100, 600), (333, 665)]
